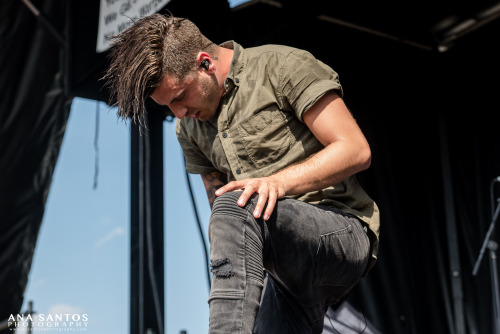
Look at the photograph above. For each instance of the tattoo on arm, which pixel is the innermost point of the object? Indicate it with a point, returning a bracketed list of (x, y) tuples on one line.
[(213, 181)]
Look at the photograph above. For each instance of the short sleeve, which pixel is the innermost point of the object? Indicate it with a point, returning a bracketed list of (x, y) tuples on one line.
[(196, 161), (304, 80)]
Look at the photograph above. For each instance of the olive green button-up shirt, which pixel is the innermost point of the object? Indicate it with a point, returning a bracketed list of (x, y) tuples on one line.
[(258, 129)]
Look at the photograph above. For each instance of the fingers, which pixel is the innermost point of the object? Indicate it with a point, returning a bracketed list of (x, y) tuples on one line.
[(267, 195), (247, 188), (233, 185), (271, 202), (261, 202), (248, 191), (266, 199)]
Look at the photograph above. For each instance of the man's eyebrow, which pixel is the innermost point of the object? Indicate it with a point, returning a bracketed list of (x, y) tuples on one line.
[(178, 96)]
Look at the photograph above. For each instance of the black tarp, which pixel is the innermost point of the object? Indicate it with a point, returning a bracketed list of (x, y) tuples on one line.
[(33, 115), (431, 118)]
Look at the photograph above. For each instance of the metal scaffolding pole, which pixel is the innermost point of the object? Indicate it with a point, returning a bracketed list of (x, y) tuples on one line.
[(147, 307)]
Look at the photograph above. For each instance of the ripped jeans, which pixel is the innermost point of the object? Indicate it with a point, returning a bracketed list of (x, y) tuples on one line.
[(313, 256)]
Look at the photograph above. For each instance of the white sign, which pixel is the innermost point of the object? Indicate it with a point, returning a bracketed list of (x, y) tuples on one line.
[(115, 16)]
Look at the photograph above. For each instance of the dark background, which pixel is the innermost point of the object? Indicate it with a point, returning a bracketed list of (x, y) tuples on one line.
[(432, 118)]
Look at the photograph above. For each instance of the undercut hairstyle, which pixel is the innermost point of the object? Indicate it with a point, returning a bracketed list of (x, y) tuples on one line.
[(140, 57)]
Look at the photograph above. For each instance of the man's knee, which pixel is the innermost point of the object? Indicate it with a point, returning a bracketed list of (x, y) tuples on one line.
[(227, 217), (227, 203)]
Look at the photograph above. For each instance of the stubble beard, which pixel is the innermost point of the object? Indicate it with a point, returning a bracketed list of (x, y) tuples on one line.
[(211, 95)]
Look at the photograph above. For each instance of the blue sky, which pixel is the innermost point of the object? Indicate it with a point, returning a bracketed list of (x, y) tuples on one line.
[(81, 261)]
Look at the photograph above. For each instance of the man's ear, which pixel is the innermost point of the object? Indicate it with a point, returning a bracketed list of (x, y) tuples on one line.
[(205, 62)]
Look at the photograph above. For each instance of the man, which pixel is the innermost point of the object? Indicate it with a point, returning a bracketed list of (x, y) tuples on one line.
[(277, 150)]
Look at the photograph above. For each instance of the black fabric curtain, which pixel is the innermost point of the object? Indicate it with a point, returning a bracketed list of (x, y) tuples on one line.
[(433, 121), (33, 116)]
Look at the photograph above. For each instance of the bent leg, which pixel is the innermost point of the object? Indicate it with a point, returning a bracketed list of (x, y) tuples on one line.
[(315, 255), (236, 260)]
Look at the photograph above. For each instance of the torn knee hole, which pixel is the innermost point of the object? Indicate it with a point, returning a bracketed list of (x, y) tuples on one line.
[(222, 268)]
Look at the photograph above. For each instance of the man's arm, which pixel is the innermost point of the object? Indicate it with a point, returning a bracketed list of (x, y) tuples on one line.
[(213, 181), (346, 152)]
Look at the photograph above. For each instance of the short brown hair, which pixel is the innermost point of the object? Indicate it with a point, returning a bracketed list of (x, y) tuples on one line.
[(142, 55)]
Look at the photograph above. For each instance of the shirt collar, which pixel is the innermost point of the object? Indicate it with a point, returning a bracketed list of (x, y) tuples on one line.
[(233, 78), (237, 65)]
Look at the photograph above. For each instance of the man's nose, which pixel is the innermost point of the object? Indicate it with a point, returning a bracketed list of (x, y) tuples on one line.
[(180, 112)]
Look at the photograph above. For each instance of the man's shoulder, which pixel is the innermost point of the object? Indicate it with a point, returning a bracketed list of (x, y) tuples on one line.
[(277, 55), (270, 49)]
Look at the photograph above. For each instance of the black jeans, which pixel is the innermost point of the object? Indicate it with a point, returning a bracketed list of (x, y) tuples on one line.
[(313, 256)]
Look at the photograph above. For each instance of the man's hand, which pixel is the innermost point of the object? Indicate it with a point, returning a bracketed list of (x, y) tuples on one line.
[(269, 190)]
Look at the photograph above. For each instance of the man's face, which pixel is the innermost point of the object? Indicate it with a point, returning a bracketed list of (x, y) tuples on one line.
[(197, 96)]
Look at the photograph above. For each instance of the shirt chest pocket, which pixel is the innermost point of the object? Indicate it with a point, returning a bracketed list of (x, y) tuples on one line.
[(266, 137)]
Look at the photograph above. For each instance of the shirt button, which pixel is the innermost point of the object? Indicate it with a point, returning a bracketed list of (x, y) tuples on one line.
[(237, 80), (238, 171), (224, 135)]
